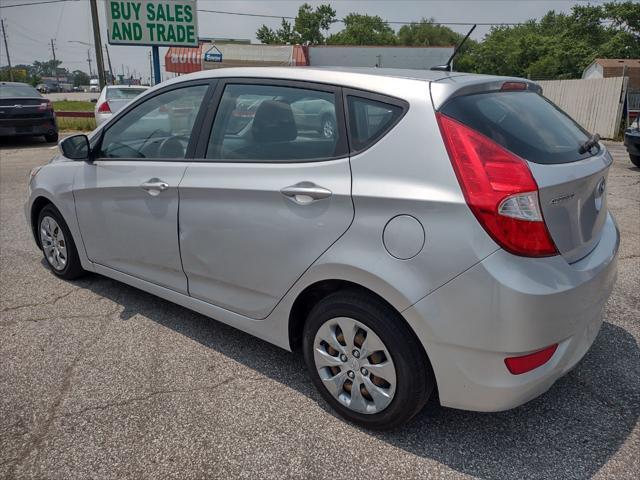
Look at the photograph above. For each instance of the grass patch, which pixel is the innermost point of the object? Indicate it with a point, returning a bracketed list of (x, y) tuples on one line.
[(73, 106), (71, 123)]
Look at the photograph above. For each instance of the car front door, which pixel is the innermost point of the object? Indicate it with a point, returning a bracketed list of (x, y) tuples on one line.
[(127, 198), (266, 197)]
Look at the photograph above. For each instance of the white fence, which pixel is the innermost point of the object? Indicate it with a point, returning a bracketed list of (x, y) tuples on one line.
[(596, 104)]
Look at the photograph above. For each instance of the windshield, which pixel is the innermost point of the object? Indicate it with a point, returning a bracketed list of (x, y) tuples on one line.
[(123, 93), (525, 123), (13, 91)]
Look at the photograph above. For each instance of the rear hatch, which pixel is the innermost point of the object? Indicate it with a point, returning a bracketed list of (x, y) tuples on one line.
[(571, 184), (21, 108), (120, 97)]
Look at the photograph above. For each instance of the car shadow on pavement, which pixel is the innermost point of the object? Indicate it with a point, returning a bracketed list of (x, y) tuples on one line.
[(569, 432), (23, 142)]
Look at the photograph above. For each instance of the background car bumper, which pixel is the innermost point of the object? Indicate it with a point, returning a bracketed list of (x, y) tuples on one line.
[(509, 306), (28, 127), (632, 142)]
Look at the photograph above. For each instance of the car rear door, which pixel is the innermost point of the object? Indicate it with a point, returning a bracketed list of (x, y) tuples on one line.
[(266, 197), (127, 198)]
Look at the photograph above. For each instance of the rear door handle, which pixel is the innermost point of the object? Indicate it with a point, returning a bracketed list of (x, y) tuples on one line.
[(304, 193), (154, 186)]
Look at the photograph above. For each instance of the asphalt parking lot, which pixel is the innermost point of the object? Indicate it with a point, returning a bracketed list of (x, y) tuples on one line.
[(100, 380)]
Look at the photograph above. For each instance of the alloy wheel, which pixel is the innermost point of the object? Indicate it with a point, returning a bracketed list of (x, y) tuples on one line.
[(53, 243)]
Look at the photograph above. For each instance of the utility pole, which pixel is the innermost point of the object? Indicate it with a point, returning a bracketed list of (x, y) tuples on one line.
[(6, 46), (97, 42), (113, 76), (55, 65), (89, 61)]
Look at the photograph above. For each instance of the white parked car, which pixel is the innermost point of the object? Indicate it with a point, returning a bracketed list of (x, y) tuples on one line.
[(113, 98)]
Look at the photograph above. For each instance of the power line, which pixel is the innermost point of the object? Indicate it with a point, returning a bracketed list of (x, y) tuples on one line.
[(36, 3), (341, 20)]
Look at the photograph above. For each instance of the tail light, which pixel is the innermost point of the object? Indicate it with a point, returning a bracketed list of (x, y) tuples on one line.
[(499, 189), (104, 108), (46, 105), (526, 363)]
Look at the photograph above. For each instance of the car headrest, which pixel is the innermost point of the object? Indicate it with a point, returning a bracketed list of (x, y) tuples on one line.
[(274, 122)]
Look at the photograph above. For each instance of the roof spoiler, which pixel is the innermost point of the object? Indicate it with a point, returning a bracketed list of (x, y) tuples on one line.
[(447, 66)]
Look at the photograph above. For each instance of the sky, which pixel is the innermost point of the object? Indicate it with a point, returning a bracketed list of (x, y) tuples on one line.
[(31, 28)]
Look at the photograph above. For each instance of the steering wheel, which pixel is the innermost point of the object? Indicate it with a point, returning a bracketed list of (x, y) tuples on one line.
[(171, 147)]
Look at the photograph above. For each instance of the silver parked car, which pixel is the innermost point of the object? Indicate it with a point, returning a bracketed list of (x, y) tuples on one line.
[(450, 231), (113, 98)]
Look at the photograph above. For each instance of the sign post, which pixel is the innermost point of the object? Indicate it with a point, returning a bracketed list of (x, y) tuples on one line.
[(155, 54), (155, 23)]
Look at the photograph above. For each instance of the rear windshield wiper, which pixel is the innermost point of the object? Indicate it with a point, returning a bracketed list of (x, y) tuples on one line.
[(589, 144)]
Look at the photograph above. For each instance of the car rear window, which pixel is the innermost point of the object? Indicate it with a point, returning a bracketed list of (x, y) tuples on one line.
[(17, 91), (369, 120), (123, 93), (525, 123)]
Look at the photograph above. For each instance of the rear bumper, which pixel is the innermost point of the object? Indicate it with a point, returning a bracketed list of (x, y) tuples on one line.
[(31, 126), (632, 142), (509, 306)]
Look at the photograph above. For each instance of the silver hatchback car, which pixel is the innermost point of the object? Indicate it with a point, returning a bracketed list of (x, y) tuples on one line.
[(430, 231)]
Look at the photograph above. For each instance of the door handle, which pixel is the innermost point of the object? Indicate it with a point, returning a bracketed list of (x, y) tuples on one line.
[(304, 193), (154, 186)]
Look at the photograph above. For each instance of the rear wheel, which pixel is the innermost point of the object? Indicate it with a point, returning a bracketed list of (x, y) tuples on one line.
[(635, 159), (57, 244), (51, 137), (365, 361)]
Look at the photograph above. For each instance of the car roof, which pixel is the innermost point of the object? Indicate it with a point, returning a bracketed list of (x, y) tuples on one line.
[(336, 74), (16, 84), (139, 87)]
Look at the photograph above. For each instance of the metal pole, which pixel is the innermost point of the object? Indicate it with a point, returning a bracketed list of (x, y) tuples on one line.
[(113, 77), (150, 70), (89, 61), (6, 46), (155, 51), (55, 66), (97, 42)]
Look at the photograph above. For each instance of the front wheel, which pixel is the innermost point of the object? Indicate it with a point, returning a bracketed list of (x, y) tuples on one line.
[(365, 361), (635, 159), (57, 244)]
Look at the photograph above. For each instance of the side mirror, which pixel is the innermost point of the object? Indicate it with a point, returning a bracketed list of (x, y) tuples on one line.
[(76, 147)]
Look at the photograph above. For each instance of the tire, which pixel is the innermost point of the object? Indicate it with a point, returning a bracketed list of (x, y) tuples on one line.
[(413, 383), (51, 137), (635, 159), (48, 233)]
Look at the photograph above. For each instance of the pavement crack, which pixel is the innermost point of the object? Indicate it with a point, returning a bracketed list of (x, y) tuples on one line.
[(41, 433), (51, 301), (149, 396)]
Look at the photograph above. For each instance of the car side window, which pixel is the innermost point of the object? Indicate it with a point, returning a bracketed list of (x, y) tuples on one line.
[(159, 128), (271, 123), (369, 120)]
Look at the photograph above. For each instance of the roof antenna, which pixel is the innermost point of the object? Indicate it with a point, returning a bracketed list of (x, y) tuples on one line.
[(447, 66)]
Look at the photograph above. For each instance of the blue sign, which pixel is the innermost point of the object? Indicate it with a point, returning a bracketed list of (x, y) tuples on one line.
[(213, 55)]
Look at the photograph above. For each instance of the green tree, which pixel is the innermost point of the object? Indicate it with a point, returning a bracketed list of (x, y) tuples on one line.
[(48, 68), (308, 27), (364, 30), (427, 33), (80, 78), (559, 45)]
